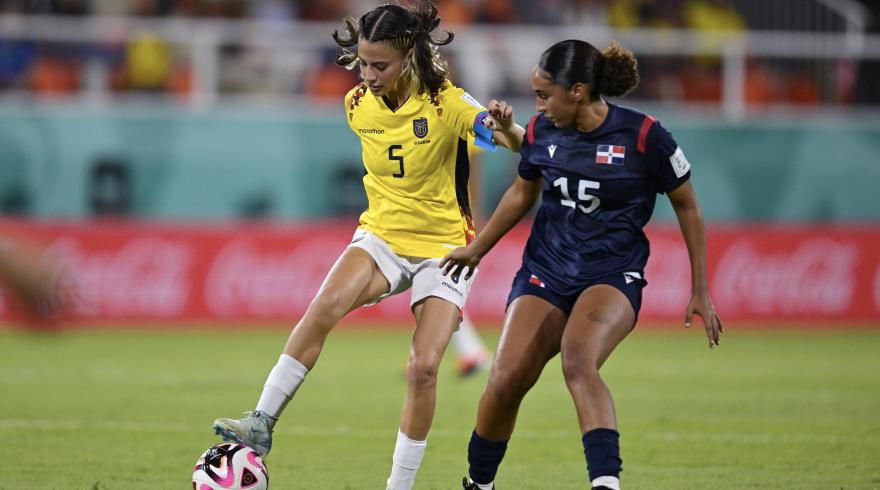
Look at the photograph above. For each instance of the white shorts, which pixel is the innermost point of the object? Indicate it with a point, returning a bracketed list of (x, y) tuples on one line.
[(424, 276)]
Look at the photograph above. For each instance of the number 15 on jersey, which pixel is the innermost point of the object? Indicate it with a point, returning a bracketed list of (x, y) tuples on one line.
[(591, 201)]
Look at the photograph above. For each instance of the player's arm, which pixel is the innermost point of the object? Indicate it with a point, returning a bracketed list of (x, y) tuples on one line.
[(505, 131), (690, 220), (516, 202)]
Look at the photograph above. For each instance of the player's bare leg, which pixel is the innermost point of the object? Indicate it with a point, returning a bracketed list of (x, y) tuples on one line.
[(530, 338), (601, 318), (353, 281), (435, 321), (532, 332)]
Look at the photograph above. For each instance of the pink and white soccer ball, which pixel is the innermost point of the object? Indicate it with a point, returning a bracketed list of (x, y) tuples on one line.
[(230, 466)]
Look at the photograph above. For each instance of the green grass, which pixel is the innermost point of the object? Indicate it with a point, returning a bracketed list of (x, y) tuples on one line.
[(134, 410)]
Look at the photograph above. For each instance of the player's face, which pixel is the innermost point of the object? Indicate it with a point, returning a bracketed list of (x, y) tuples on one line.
[(553, 100), (381, 64)]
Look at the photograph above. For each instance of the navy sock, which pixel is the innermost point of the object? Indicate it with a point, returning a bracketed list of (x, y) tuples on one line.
[(602, 449), (484, 457)]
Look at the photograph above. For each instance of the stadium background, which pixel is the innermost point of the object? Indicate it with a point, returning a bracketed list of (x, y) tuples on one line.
[(188, 164)]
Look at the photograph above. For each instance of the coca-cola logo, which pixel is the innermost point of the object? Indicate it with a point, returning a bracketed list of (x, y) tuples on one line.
[(244, 279), (146, 276), (818, 276)]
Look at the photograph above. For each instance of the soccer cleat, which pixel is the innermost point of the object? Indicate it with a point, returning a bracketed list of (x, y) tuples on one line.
[(469, 484), (253, 431)]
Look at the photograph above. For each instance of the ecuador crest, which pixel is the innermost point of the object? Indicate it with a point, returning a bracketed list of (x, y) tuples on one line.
[(420, 127)]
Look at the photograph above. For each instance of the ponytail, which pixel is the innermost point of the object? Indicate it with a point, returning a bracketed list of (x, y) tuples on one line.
[(613, 72), (619, 72)]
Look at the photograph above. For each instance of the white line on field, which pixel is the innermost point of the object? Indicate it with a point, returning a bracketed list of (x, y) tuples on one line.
[(173, 428)]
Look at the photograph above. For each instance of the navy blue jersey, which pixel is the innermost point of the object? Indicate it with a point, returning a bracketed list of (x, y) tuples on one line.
[(599, 190)]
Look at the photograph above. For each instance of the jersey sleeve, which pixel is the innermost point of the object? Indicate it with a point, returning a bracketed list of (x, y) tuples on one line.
[(464, 116), (671, 166), (526, 169)]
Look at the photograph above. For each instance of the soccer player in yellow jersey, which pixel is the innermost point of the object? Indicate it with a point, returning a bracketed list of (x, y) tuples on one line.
[(413, 124)]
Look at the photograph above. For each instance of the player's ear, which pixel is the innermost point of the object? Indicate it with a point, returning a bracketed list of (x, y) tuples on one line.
[(579, 91)]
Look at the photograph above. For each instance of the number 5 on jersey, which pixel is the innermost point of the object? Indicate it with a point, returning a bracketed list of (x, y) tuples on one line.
[(583, 185), (397, 158)]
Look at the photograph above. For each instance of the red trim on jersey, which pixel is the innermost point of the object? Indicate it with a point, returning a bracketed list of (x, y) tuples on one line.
[(530, 129), (647, 122)]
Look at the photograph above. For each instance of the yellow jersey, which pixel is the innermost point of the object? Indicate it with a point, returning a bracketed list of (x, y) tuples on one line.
[(417, 166)]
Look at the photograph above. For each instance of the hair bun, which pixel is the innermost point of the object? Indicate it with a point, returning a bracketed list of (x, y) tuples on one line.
[(620, 72), (425, 19)]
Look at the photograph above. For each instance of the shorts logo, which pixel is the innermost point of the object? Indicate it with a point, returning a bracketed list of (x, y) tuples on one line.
[(420, 127), (631, 276), (537, 282), (451, 287)]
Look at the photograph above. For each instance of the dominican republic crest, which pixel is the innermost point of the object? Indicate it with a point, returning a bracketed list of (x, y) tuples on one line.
[(420, 127)]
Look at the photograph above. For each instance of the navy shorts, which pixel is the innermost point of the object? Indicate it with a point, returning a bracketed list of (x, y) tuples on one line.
[(628, 283)]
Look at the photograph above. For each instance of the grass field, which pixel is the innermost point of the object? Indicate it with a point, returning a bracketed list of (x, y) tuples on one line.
[(99, 410)]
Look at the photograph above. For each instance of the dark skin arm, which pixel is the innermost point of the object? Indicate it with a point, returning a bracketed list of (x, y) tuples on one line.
[(690, 220), (516, 202)]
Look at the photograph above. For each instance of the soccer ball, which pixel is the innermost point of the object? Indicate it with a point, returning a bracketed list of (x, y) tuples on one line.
[(230, 466)]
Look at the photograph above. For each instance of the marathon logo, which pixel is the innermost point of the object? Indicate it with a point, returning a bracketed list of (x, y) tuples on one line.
[(453, 288)]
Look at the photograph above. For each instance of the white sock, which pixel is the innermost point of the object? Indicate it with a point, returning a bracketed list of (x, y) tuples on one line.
[(487, 486), (405, 462), (466, 341), (282, 383), (611, 482)]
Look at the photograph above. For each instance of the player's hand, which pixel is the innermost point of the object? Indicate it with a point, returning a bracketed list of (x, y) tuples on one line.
[(501, 115), (701, 304), (461, 260)]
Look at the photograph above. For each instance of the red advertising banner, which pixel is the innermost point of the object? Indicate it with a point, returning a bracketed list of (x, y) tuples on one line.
[(158, 273)]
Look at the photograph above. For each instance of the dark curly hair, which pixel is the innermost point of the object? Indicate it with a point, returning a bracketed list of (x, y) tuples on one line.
[(409, 29), (613, 72)]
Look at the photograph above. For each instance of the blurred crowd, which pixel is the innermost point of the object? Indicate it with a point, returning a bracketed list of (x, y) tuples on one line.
[(145, 62)]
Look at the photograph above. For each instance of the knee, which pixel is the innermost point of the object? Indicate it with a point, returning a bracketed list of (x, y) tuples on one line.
[(579, 368), (507, 386), (327, 308), (421, 372)]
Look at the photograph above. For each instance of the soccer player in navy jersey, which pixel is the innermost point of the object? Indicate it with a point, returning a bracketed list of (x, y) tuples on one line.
[(598, 168)]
